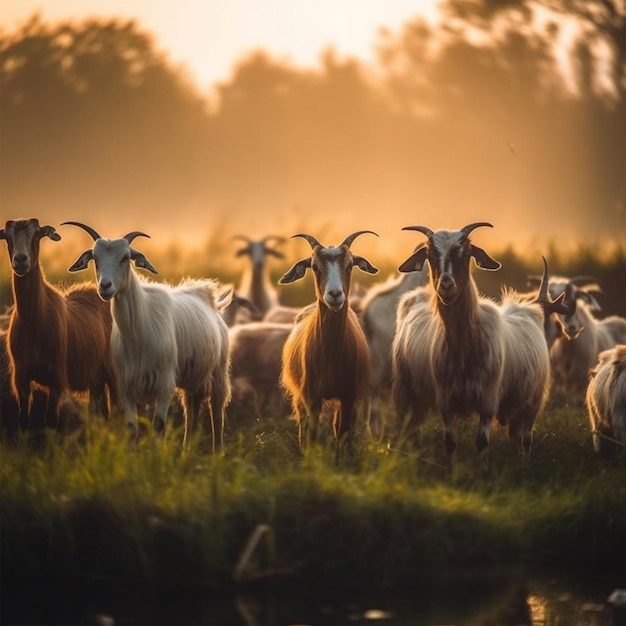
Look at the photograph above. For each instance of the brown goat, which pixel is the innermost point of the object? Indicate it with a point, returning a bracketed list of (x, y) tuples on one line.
[(56, 339), (255, 365), (326, 358)]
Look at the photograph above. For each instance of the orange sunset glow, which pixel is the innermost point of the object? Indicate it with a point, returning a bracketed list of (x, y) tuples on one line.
[(273, 117)]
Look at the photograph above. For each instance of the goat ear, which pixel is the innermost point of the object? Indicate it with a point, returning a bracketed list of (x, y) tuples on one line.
[(50, 231), (594, 305), (141, 261), (297, 271), (483, 260), (415, 262), (226, 296), (2, 234), (82, 262), (276, 253), (364, 265)]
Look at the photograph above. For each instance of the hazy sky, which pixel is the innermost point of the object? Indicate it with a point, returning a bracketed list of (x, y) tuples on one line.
[(208, 36)]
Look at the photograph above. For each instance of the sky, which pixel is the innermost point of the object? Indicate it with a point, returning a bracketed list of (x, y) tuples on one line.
[(209, 36)]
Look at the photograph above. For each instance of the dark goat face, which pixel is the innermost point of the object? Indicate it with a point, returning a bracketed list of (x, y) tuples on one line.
[(448, 253), (23, 237), (332, 270)]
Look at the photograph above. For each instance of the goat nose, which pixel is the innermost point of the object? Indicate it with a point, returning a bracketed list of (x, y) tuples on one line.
[(446, 280), (20, 258), (105, 284), (335, 293)]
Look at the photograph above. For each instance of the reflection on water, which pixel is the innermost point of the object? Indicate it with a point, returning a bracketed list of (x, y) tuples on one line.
[(426, 605)]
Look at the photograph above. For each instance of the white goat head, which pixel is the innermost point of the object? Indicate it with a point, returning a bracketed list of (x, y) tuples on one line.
[(332, 269), (112, 259), (23, 237), (448, 253)]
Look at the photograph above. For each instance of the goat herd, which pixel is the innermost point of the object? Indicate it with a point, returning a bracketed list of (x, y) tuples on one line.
[(427, 338)]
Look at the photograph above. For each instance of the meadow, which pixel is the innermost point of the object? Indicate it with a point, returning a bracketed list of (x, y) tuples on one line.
[(85, 507)]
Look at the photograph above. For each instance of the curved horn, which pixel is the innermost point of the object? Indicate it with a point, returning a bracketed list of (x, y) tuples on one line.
[(350, 238), (542, 296), (275, 238), (466, 230), (312, 241), (242, 237), (89, 229), (581, 280), (136, 233), (422, 229)]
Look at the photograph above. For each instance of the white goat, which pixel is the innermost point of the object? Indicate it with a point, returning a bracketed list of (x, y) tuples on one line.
[(526, 374), (326, 358), (581, 339), (255, 284), (606, 399), (448, 352), (378, 319), (164, 337)]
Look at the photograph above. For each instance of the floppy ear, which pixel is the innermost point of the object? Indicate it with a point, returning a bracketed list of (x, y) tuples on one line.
[(296, 272), (594, 305), (276, 253), (141, 261), (415, 262), (364, 265), (483, 260), (49, 231), (82, 262)]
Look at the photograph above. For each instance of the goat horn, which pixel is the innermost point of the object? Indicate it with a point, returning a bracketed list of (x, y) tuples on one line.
[(422, 229), (466, 230), (242, 237), (542, 296), (578, 280), (89, 229), (312, 241), (136, 233), (350, 238), (275, 238)]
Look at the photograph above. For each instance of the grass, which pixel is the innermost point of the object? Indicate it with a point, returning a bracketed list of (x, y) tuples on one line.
[(89, 506)]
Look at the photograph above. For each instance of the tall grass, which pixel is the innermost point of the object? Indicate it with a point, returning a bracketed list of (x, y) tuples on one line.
[(88, 505)]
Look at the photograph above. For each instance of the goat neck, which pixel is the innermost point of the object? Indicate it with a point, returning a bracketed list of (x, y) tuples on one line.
[(127, 308), (460, 316), (29, 294)]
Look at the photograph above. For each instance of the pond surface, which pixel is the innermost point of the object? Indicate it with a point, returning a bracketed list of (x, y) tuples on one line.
[(103, 604)]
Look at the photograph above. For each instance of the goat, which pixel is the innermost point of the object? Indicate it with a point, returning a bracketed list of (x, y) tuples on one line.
[(164, 337), (230, 312), (448, 351), (378, 319), (255, 284), (326, 358), (526, 376), (581, 338), (606, 399), (256, 358), (57, 339), (569, 287)]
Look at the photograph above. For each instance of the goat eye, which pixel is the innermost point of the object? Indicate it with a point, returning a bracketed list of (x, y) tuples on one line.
[(315, 268), (124, 259)]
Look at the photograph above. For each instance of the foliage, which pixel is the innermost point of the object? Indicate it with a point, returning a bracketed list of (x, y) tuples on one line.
[(88, 505), (96, 122)]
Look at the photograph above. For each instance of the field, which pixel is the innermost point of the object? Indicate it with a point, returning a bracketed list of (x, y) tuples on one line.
[(86, 508), (89, 507)]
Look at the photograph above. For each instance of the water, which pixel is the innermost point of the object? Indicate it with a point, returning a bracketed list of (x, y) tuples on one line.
[(509, 604)]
